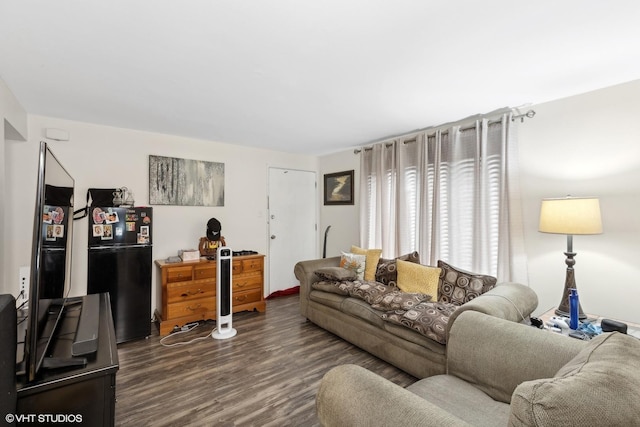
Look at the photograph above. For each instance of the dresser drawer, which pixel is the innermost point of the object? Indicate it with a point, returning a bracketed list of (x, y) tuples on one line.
[(246, 281), (190, 290), (204, 272), (247, 297), (189, 308), (247, 265), (179, 274), (253, 264)]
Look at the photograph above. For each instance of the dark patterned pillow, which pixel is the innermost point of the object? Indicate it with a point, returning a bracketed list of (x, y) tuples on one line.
[(387, 273), (427, 318), (457, 286), (335, 274), (398, 300), (371, 292)]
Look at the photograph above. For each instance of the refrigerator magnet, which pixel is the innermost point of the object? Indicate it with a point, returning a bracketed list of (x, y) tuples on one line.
[(97, 230)]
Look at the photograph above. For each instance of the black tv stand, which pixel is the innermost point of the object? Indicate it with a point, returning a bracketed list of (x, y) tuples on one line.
[(63, 362), (86, 389)]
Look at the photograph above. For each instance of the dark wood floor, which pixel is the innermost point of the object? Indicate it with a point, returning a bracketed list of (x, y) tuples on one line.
[(267, 375)]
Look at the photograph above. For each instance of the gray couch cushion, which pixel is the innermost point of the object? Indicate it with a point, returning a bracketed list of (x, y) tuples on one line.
[(326, 298), (362, 310), (462, 400), (599, 386)]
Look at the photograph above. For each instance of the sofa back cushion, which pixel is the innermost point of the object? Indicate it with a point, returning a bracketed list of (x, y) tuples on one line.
[(457, 286), (387, 272), (599, 386)]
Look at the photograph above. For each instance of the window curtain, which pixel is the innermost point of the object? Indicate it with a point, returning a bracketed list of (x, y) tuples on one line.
[(450, 194)]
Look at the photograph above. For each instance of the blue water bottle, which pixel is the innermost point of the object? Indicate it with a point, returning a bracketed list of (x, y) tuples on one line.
[(574, 304)]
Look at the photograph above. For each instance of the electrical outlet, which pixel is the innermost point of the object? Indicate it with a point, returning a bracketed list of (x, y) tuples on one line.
[(25, 274)]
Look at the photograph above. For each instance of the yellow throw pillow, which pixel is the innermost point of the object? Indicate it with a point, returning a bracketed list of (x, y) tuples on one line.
[(373, 256), (414, 277)]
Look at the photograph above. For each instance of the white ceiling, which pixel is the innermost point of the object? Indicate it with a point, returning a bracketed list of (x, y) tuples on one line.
[(307, 76)]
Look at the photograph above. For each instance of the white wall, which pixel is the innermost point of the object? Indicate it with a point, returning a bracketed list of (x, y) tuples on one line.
[(107, 157), (13, 125), (343, 219), (587, 145)]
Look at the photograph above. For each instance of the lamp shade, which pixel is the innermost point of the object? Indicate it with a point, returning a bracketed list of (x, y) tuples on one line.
[(570, 215)]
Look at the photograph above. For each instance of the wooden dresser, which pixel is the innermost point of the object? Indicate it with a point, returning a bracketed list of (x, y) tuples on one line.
[(189, 290)]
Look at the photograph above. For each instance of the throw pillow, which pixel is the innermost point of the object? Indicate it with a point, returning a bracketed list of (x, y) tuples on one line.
[(354, 262), (387, 272), (414, 277), (373, 255), (457, 286), (599, 386), (338, 274), (398, 300)]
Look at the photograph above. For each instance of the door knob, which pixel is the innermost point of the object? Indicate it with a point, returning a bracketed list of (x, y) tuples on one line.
[(273, 236)]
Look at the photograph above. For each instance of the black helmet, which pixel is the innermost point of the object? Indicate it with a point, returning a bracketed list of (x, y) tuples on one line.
[(213, 229)]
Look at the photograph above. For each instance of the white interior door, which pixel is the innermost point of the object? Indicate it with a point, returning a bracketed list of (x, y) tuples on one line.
[(292, 224)]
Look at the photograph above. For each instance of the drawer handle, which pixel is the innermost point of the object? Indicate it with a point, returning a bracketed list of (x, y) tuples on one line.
[(241, 285), (194, 308), (241, 298), (190, 293)]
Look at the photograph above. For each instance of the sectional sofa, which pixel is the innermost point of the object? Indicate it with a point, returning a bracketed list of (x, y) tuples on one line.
[(499, 373), (356, 321)]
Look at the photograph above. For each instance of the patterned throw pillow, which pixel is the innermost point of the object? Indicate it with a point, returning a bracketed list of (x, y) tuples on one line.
[(373, 256), (457, 286), (354, 262), (398, 300), (387, 272), (414, 277), (371, 292)]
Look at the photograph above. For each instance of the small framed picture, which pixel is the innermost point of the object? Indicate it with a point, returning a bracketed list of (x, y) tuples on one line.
[(338, 188)]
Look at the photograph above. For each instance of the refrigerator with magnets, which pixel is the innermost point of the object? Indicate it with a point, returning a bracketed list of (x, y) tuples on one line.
[(120, 263)]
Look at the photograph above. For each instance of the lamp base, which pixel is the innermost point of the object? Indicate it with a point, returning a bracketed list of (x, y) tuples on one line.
[(569, 283), (581, 315)]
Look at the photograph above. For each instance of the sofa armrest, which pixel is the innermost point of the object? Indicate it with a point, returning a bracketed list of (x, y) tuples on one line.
[(305, 273), (496, 355), (508, 300), (350, 395)]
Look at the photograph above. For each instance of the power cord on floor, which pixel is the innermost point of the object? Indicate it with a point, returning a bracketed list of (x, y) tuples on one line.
[(183, 330)]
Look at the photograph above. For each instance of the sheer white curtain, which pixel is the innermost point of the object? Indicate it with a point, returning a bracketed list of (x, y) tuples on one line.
[(450, 194)]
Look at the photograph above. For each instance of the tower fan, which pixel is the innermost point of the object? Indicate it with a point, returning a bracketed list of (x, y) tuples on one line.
[(224, 314)]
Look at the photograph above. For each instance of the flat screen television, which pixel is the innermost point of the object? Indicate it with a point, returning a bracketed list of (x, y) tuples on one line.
[(50, 258)]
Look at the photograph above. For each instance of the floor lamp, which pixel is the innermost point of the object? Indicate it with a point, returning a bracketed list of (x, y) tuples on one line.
[(570, 215)]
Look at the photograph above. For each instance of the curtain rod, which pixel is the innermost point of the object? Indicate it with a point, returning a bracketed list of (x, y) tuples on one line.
[(529, 114)]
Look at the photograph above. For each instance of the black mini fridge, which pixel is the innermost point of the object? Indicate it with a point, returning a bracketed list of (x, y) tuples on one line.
[(120, 263)]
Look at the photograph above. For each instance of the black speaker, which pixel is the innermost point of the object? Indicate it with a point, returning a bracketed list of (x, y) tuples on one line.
[(8, 344)]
